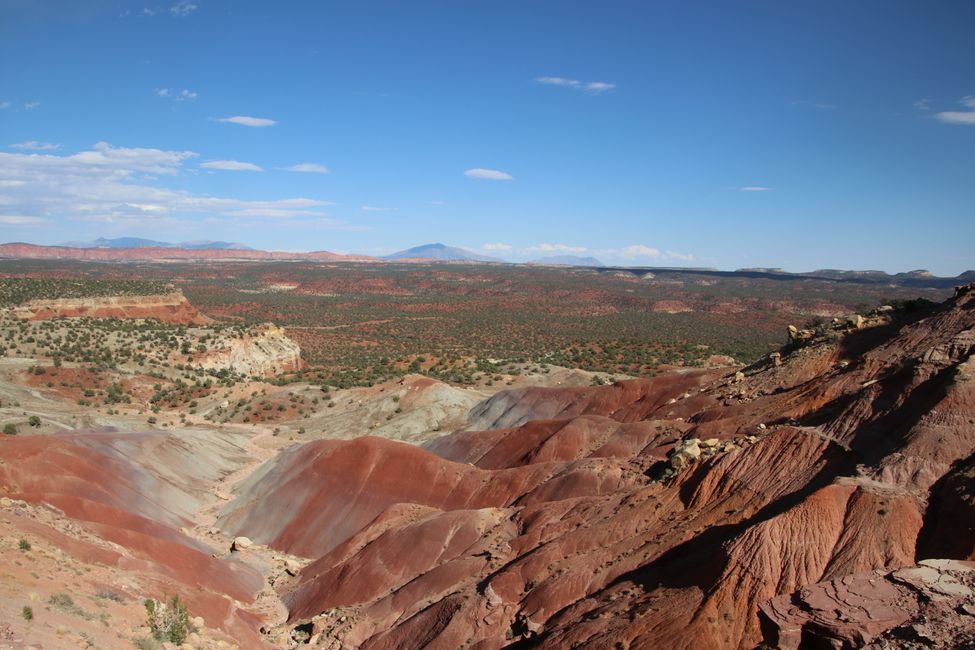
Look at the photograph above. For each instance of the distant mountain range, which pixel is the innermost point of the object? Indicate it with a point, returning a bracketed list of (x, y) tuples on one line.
[(442, 253), (567, 260), (148, 253), (138, 242), (125, 249)]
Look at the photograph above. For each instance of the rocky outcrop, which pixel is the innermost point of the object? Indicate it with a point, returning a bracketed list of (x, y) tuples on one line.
[(264, 352), (929, 605), (172, 307), (661, 512)]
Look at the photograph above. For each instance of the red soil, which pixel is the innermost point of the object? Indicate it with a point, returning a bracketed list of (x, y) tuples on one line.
[(559, 533)]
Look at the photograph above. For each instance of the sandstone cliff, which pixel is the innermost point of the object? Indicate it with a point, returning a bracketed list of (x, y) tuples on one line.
[(171, 307), (264, 352)]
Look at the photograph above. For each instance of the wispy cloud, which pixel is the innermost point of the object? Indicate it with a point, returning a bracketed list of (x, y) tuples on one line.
[(754, 188), (497, 247), (960, 117), (635, 251), (109, 184), (183, 8), (376, 208), (308, 168), (231, 166), (555, 248), (632, 253), (488, 174), (29, 106), (598, 87), (642, 252), (34, 145), (591, 87), (19, 220), (180, 96), (923, 104), (245, 120), (559, 81), (4, 105)]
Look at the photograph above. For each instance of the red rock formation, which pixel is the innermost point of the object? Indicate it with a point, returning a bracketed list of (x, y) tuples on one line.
[(168, 308), (930, 605), (573, 529), (122, 489)]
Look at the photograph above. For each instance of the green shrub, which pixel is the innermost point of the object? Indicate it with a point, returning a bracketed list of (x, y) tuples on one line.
[(27, 612), (168, 621)]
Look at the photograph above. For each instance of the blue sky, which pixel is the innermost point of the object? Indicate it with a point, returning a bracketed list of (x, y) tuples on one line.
[(727, 134)]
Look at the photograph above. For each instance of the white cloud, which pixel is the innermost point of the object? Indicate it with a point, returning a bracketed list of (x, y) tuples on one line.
[(162, 92), (375, 208), (117, 185), (19, 220), (591, 87), (923, 104), (598, 87), (497, 247), (754, 188), (4, 105), (555, 248), (183, 8), (29, 106), (639, 250), (185, 94), (558, 81), (960, 117), (245, 120), (121, 161), (488, 174), (309, 168), (231, 166), (34, 145), (640, 253)]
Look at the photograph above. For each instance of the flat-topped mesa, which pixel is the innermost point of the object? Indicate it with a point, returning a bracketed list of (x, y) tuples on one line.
[(265, 351), (170, 307)]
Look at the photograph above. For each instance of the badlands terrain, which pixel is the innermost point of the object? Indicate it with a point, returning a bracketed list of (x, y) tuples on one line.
[(409, 455)]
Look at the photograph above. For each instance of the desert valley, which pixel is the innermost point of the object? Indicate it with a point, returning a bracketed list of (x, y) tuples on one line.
[(645, 471), (441, 325)]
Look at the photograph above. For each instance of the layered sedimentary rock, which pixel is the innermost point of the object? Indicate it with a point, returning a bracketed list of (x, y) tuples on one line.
[(929, 605), (650, 513), (266, 351), (171, 307), (134, 495)]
